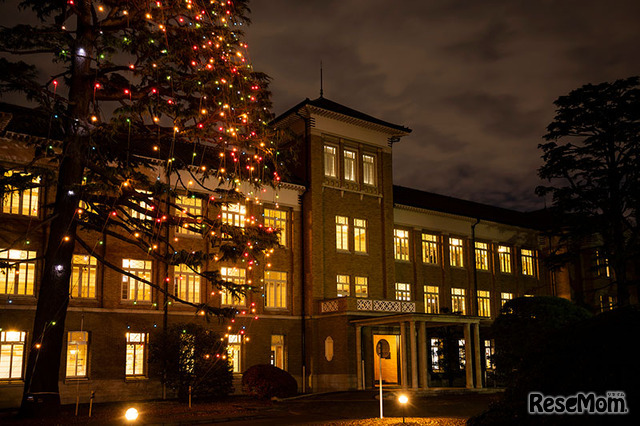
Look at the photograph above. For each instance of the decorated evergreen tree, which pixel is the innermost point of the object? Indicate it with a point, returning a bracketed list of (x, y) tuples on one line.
[(151, 99)]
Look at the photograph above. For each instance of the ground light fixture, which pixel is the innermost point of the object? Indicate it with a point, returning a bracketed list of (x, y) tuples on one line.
[(402, 399), (131, 414)]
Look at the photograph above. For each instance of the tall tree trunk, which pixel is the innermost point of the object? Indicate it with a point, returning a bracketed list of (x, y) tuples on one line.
[(41, 395)]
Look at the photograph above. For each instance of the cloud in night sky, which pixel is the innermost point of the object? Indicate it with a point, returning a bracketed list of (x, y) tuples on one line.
[(475, 81)]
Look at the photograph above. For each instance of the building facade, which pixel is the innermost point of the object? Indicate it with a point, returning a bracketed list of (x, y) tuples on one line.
[(362, 264)]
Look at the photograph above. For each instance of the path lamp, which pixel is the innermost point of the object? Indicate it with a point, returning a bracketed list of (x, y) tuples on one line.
[(402, 399), (131, 414)]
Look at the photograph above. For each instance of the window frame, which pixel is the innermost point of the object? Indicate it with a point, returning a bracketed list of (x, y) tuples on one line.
[(363, 284), (342, 233), (373, 176), (28, 270), (459, 297), (343, 285), (131, 344), (277, 223), (13, 195), (21, 344), (352, 162), (79, 271), (238, 279), (193, 291), (430, 248), (183, 210), (456, 252), (84, 343), (401, 244), (331, 157), (505, 259), (482, 256), (484, 303), (147, 274), (360, 230), (279, 291), (531, 262), (403, 292), (431, 299)]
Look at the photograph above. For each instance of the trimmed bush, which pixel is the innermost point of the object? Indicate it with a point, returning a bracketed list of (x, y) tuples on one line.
[(266, 381)]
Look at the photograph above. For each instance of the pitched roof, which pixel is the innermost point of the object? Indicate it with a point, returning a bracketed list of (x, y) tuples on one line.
[(326, 104), (445, 204)]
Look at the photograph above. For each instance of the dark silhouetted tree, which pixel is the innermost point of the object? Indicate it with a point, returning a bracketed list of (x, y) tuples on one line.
[(149, 98), (592, 164)]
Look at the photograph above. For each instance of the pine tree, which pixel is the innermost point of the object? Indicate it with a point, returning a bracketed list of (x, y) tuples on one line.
[(152, 99)]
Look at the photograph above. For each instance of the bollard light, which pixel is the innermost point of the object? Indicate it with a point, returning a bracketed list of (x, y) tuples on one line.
[(131, 414), (402, 399)]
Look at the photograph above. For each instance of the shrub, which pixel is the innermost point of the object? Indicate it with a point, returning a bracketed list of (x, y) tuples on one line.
[(267, 381), (192, 356)]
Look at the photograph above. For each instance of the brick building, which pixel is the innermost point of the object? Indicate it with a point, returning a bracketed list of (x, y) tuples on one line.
[(362, 261)]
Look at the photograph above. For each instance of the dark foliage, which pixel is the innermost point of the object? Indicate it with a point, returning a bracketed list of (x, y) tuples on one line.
[(193, 356), (267, 381), (596, 354), (592, 170)]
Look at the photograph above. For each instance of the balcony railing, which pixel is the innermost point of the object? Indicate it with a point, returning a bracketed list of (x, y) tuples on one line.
[(342, 304)]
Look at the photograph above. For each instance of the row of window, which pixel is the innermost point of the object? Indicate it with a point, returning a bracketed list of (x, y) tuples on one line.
[(437, 352), (19, 281), (12, 354), (26, 203), (431, 295), (430, 253), (350, 165)]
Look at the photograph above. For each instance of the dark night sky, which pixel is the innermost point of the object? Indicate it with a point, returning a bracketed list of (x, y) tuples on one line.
[(475, 80)]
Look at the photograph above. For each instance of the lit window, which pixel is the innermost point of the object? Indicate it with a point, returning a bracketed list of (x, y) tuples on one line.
[(342, 233), (20, 202), (602, 265), (482, 256), (277, 219), (362, 286), (462, 354), (77, 351), (437, 355), (350, 166), (136, 354), (489, 351), (505, 297), (330, 161), (277, 351), (83, 276), (431, 299), (607, 303), (360, 235), (234, 214), (403, 291), (234, 349), (368, 169), (528, 262), (133, 289), (458, 300), (144, 204), (455, 252), (275, 289), (343, 285), (18, 280), (186, 283), (189, 208), (429, 248), (11, 354), (504, 256), (484, 303), (236, 276), (401, 244)]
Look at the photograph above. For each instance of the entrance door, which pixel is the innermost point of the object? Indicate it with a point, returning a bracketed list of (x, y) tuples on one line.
[(389, 366)]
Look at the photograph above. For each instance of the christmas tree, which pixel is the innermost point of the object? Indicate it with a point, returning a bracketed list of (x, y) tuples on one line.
[(152, 101)]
